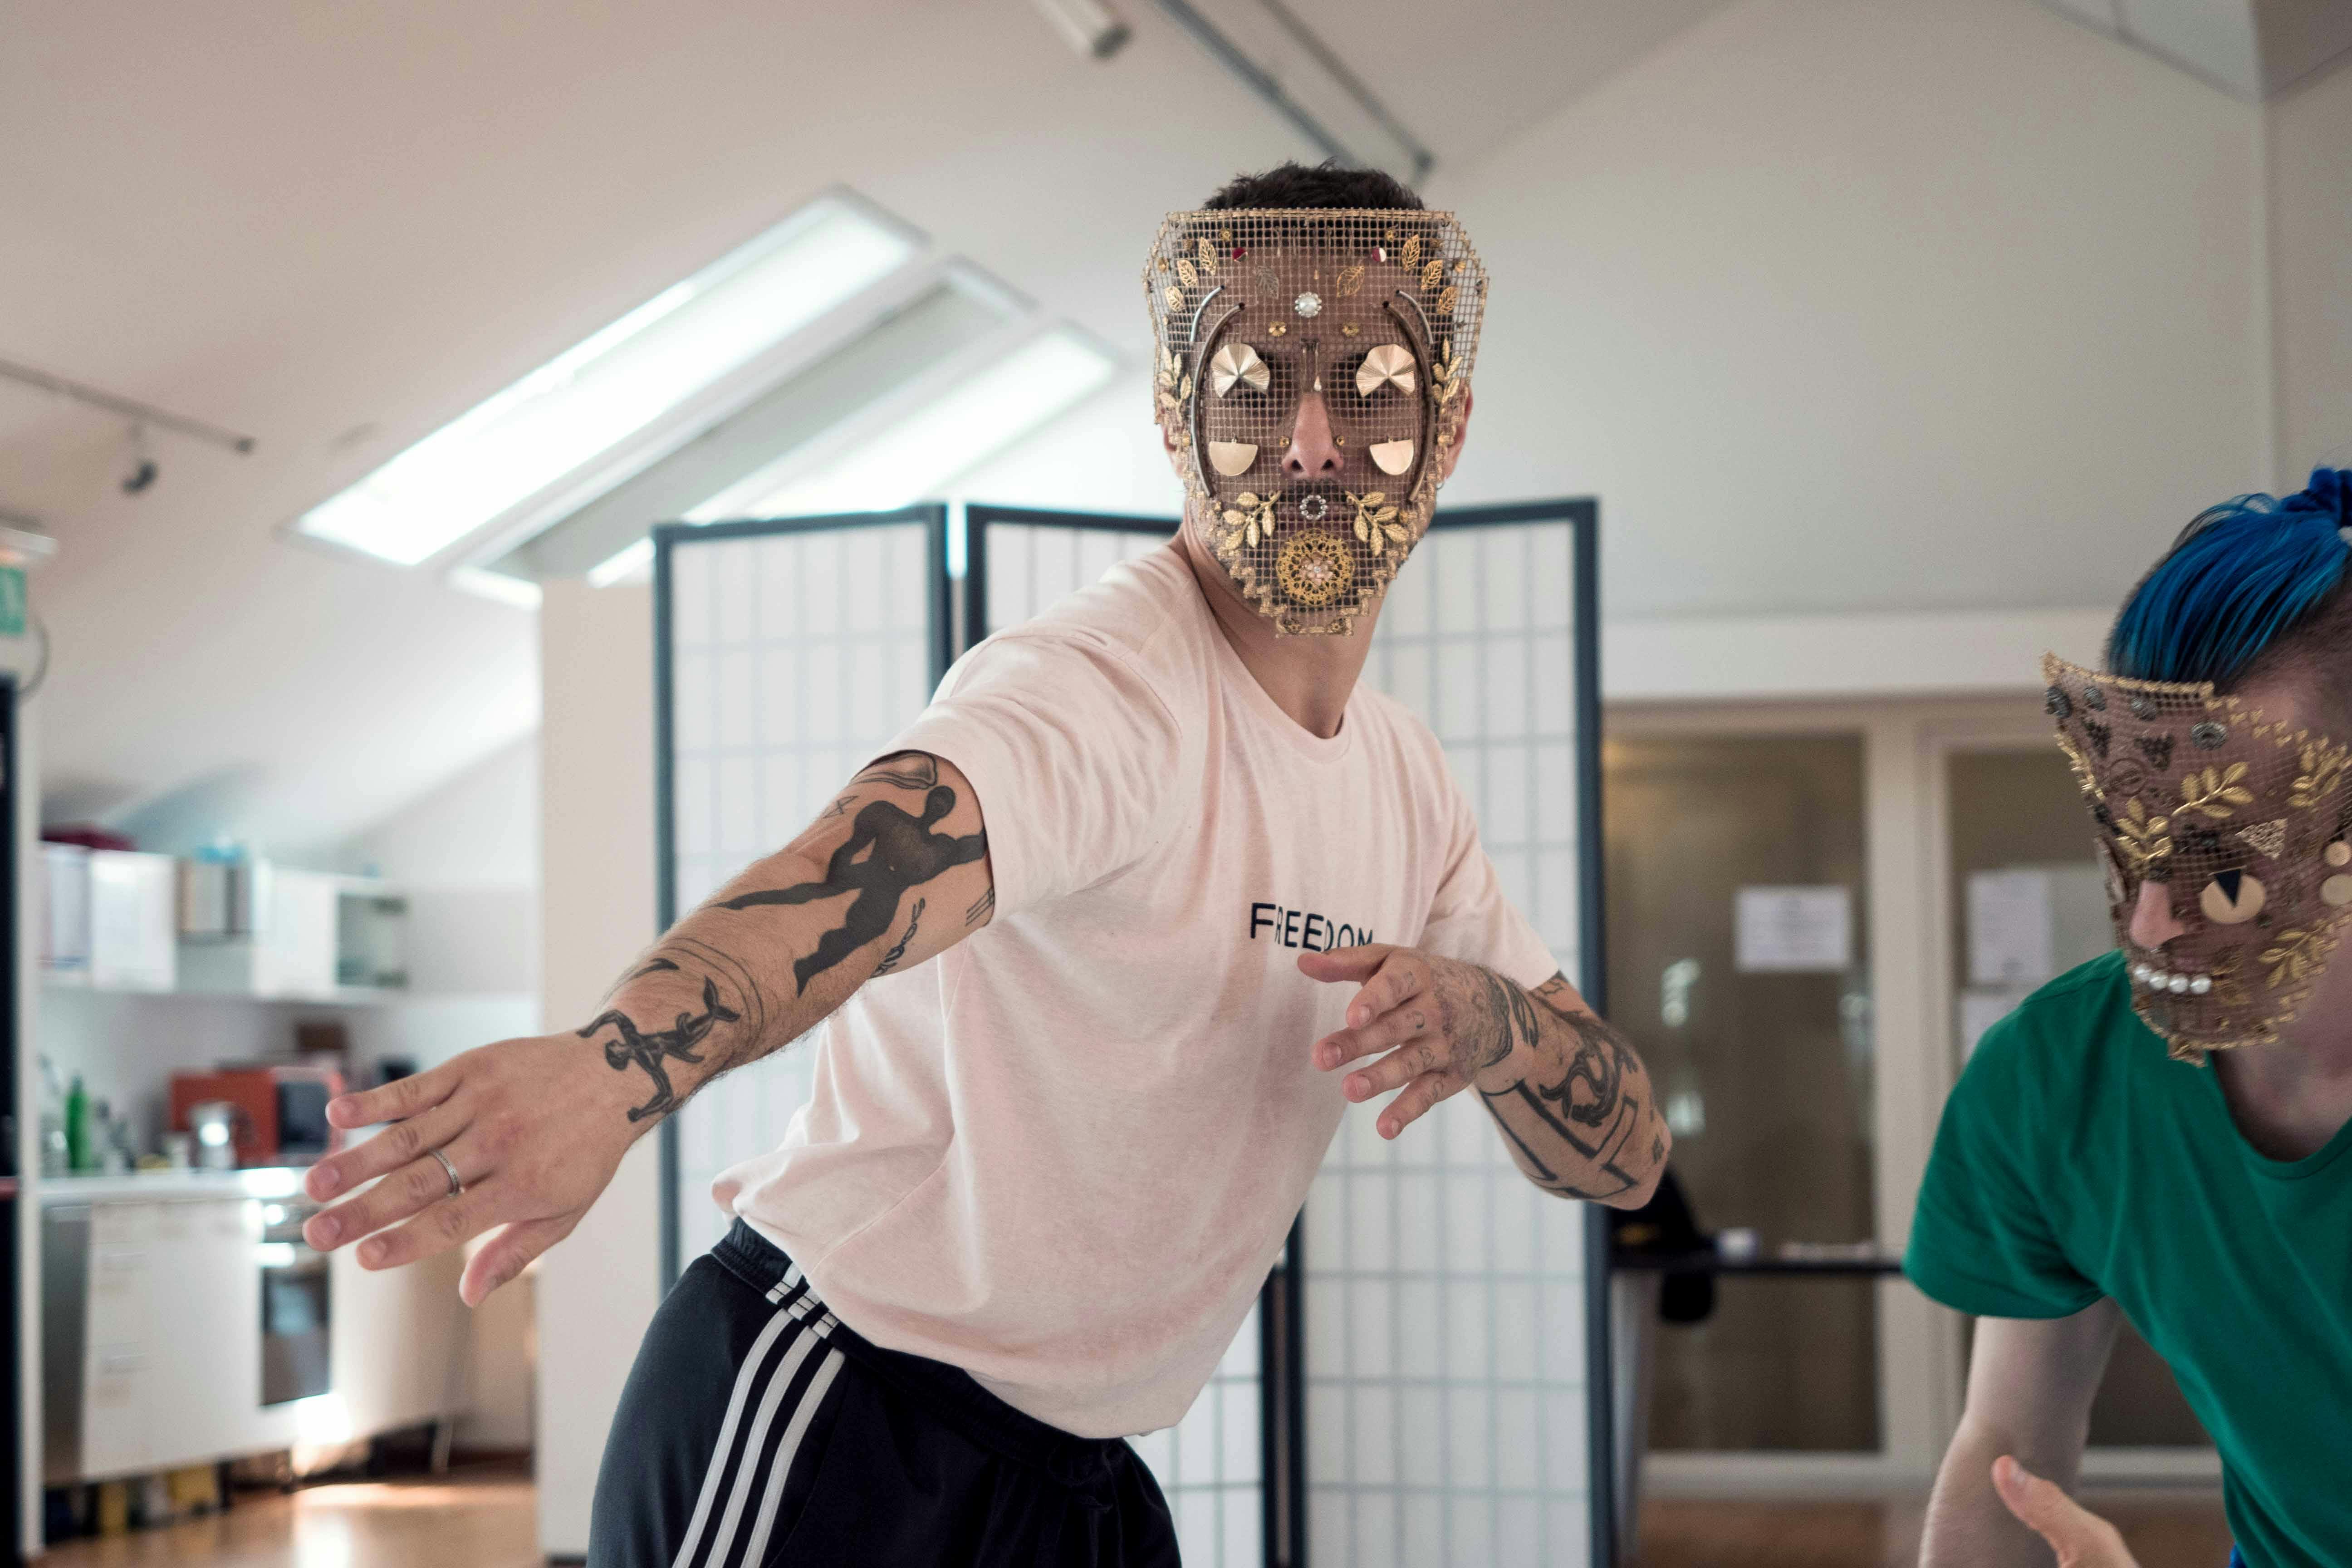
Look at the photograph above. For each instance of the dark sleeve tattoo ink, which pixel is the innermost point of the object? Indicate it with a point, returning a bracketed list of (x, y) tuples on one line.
[(687, 1037), (898, 949), (908, 770), (1588, 1106), (650, 1049), (889, 850)]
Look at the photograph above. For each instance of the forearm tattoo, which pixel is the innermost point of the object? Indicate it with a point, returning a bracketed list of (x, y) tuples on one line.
[(1584, 1093), (898, 949), (728, 997), (889, 851)]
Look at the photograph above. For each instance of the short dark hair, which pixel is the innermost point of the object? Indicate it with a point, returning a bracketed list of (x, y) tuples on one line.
[(1325, 185)]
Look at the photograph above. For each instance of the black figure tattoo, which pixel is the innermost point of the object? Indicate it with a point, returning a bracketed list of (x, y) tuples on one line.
[(898, 851), (981, 907), (908, 770), (650, 1049), (1588, 1108), (898, 949)]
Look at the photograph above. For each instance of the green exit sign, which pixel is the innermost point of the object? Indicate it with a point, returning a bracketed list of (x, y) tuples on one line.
[(12, 601)]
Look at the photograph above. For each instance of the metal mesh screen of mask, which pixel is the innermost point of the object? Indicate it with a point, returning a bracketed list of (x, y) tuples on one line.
[(795, 655), (1210, 1464), (1281, 326), (1448, 1396), (2241, 819)]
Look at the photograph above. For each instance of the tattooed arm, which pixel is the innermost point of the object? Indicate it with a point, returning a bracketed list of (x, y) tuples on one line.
[(1568, 1095), (892, 872)]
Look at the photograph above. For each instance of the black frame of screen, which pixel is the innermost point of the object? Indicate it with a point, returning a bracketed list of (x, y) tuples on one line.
[(1281, 1321), (666, 538)]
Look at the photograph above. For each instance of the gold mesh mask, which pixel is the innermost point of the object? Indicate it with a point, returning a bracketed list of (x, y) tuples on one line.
[(2244, 822), (1376, 313)]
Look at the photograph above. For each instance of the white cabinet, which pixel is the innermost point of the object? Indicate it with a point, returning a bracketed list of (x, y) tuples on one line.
[(118, 1346), (205, 1366), (132, 935)]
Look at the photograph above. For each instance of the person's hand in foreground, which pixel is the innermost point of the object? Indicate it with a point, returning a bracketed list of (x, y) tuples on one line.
[(2080, 1538)]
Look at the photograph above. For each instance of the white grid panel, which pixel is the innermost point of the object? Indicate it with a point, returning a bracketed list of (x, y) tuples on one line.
[(1446, 1308), (795, 658), (1208, 1463)]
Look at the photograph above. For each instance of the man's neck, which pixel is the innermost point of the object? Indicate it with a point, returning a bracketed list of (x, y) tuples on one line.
[(2291, 1098), (1309, 678)]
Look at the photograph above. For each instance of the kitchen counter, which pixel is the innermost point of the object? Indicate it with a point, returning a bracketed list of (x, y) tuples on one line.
[(171, 1186)]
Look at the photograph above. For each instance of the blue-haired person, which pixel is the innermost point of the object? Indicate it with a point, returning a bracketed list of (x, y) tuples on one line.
[(2161, 1135)]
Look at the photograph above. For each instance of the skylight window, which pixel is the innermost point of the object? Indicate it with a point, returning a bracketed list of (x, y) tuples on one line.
[(915, 455), (593, 397)]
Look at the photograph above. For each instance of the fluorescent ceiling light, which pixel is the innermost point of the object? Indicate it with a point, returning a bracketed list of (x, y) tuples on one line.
[(951, 432), (594, 396), (519, 592)]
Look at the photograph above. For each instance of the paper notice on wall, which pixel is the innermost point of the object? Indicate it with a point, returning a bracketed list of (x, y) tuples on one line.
[(1793, 930), (2012, 928), (1980, 1008)]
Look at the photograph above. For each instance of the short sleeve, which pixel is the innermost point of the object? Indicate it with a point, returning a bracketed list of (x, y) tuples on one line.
[(1075, 759), (1981, 1239), (1470, 919)]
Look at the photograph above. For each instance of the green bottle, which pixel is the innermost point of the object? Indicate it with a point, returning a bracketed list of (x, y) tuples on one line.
[(79, 1156)]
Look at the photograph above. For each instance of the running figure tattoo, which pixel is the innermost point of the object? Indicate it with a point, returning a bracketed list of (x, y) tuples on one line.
[(650, 1049), (899, 851)]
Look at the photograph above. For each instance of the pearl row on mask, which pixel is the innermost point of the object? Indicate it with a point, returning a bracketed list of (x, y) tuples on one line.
[(2156, 979)]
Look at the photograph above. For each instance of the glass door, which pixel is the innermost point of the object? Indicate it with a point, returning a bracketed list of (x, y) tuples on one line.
[(1738, 963)]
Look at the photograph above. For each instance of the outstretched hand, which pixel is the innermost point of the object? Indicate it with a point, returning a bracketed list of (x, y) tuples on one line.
[(535, 1129), (1440, 1022), (2080, 1538)]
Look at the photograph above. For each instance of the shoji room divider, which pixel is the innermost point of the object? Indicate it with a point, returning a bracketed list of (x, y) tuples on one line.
[(1423, 1380)]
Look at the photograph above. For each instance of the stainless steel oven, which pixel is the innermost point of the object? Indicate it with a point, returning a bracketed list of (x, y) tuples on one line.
[(295, 1309)]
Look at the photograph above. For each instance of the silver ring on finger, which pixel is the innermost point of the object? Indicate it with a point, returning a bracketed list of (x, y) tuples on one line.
[(456, 1184)]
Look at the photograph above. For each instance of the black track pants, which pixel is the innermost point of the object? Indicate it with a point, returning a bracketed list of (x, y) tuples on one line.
[(757, 1430)]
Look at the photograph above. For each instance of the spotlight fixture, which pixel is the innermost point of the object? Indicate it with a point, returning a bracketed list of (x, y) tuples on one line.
[(139, 469), (1090, 26)]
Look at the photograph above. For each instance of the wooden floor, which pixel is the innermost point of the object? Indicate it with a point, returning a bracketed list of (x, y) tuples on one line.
[(482, 1517), (2164, 1530), (475, 1517)]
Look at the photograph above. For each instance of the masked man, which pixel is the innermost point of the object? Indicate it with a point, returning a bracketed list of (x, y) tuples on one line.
[(1051, 1155), (2161, 1134)]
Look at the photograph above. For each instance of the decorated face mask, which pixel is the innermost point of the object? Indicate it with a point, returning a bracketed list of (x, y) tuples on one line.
[(2244, 821), (1376, 314)]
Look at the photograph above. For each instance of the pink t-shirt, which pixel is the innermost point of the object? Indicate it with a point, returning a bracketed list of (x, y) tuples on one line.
[(1063, 1155)]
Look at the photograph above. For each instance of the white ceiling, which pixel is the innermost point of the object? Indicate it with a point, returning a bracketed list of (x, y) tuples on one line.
[(335, 227)]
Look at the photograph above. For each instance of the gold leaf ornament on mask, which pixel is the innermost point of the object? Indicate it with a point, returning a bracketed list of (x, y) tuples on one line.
[(1234, 365), (2323, 766), (2145, 839), (1250, 516), (1376, 521), (1386, 365), (2216, 792)]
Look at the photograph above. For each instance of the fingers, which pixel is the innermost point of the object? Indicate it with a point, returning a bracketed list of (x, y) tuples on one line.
[(1357, 964), (409, 1189), (444, 1224), (1407, 1024), (507, 1254), (1396, 1069), (1413, 1104), (2080, 1538), (1400, 977), (388, 1150), (396, 1101)]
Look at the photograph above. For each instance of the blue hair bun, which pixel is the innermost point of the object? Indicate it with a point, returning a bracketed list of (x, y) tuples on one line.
[(2329, 492), (2243, 574)]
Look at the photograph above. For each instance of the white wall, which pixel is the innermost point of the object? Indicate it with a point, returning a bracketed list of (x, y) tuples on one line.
[(1848, 305), (2311, 251), (597, 1290)]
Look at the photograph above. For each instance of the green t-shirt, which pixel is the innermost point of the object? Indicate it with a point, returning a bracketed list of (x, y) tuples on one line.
[(2076, 1161)]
